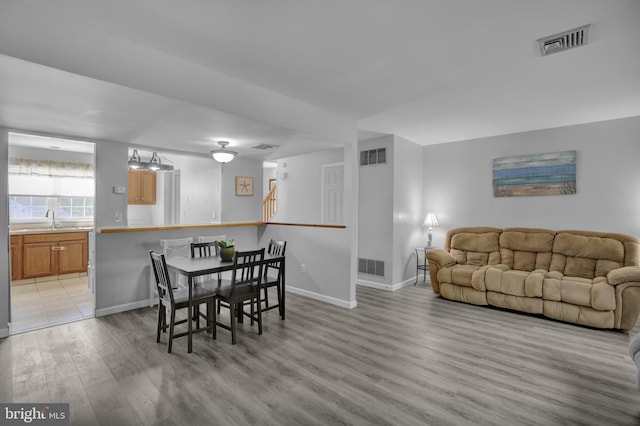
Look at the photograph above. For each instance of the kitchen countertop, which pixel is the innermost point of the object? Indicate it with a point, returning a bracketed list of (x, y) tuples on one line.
[(28, 231)]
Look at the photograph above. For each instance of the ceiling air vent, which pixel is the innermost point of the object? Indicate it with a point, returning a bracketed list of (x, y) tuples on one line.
[(565, 40), (264, 146)]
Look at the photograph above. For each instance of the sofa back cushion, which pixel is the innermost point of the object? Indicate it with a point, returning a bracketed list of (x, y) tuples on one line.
[(589, 255), (526, 249), (474, 246)]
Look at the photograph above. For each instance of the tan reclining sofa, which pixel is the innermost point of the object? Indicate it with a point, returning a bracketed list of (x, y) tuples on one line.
[(588, 278)]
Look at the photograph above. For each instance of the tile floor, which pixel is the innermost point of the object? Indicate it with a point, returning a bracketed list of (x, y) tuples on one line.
[(42, 304)]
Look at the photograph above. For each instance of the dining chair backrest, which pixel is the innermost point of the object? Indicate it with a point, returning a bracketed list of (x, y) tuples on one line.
[(177, 247), (209, 249), (247, 269), (277, 247), (180, 247), (161, 273)]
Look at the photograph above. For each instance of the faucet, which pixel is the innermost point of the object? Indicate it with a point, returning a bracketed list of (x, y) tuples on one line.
[(53, 217)]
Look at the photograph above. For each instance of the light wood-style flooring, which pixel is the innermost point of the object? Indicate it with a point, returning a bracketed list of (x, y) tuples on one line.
[(401, 358)]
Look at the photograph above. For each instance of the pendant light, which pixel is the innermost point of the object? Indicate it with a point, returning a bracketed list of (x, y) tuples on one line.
[(223, 155), (134, 161), (154, 164)]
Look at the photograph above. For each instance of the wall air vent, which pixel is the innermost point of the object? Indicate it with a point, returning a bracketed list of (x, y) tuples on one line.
[(370, 266), (264, 146), (373, 156), (566, 40)]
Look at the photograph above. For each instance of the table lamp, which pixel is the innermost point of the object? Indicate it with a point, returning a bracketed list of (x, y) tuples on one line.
[(431, 222)]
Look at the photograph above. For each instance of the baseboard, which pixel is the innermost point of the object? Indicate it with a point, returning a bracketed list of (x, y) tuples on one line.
[(122, 308), (4, 332), (321, 297), (386, 287)]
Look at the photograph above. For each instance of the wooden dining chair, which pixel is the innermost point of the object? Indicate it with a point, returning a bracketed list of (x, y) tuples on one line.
[(245, 286), (171, 300), (273, 276)]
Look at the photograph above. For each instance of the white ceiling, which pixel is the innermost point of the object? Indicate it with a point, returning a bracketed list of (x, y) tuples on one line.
[(184, 74)]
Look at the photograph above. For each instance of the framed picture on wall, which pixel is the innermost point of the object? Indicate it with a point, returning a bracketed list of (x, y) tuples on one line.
[(244, 185)]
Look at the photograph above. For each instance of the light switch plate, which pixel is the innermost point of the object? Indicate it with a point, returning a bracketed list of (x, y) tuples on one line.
[(119, 189)]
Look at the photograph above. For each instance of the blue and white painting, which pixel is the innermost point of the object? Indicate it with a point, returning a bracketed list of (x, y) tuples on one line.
[(529, 175)]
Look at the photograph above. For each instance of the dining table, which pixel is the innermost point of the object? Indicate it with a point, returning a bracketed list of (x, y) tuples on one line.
[(195, 267)]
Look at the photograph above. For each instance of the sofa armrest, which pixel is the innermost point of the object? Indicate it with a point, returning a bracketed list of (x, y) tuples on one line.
[(624, 275), (438, 259)]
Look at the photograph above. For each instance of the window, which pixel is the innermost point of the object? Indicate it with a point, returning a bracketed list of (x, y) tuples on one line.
[(26, 207)]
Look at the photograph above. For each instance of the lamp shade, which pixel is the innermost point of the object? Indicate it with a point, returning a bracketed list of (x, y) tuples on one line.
[(223, 155), (430, 221)]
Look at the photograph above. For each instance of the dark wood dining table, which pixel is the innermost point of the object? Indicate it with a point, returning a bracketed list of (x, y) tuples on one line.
[(198, 266)]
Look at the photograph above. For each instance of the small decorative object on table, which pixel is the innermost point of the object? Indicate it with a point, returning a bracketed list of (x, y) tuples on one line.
[(227, 250)]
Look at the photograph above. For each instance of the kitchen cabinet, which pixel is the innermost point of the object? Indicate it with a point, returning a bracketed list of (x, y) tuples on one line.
[(52, 253), (142, 187)]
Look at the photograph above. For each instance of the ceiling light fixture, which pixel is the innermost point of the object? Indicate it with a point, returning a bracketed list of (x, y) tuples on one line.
[(134, 161), (223, 155)]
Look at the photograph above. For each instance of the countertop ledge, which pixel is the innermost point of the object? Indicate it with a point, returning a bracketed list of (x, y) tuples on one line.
[(114, 230), (48, 231)]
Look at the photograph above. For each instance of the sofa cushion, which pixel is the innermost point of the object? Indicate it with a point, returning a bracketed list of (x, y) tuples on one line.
[(515, 283), (589, 254), (457, 274), (474, 246), (526, 249), (593, 293), (578, 314)]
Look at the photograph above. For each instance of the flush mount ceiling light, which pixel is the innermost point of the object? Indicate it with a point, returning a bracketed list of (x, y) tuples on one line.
[(223, 155), (134, 161)]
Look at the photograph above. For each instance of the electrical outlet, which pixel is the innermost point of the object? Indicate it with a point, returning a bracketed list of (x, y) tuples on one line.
[(118, 217), (303, 268)]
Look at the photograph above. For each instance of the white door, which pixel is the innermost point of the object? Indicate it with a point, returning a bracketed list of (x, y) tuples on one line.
[(332, 194)]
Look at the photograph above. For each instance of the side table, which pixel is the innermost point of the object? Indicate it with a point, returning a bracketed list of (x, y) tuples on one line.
[(421, 262)]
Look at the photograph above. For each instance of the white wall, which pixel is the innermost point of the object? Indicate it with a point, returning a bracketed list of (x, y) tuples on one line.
[(200, 188), (300, 194), (375, 209), (241, 208), (458, 180), (408, 212)]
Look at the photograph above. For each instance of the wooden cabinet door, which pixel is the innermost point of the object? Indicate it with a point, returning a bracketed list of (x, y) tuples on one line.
[(142, 187), (148, 187), (134, 187), (16, 257), (39, 259), (72, 256)]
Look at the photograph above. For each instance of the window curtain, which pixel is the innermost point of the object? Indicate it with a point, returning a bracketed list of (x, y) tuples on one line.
[(24, 166)]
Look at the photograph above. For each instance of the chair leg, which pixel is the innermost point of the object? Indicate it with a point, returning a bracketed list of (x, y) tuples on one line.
[(259, 315), (171, 325), (232, 310), (280, 305), (253, 311), (196, 315), (160, 318), (213, 318), (266, 298)]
